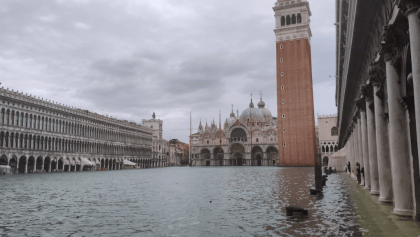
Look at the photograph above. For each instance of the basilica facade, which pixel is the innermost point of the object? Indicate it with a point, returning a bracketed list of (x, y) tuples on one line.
[(246, 140)]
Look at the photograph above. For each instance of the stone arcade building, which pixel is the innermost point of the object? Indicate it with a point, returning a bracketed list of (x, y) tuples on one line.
[(236, 140), (40, 136), (378, 96)]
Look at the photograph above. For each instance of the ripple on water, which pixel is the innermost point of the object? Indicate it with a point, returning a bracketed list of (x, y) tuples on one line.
[(245, 201)]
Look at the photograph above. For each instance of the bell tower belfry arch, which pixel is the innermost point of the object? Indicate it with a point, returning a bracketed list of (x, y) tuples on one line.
[(295, 105)]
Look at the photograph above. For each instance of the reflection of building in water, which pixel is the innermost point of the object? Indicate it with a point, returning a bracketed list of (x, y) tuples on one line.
[(235, 137), (328, 136), (42, 136)]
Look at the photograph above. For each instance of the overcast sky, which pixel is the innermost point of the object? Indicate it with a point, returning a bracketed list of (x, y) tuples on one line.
[(128, 58)]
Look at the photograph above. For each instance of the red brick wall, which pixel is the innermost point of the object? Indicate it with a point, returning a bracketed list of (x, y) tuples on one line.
[(299, 105)]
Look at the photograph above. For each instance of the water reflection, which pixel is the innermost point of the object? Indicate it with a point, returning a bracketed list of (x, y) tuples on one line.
[(211, 201)]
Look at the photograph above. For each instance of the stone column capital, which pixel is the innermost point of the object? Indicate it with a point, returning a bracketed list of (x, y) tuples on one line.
[(367, 92), (387, 44), (361, 104), (409, 6), (393, 39), (376, 74)]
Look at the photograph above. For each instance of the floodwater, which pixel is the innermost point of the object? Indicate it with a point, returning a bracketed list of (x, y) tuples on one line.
[(177, 201)]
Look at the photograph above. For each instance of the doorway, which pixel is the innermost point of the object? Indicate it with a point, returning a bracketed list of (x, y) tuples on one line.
[(207, 163)]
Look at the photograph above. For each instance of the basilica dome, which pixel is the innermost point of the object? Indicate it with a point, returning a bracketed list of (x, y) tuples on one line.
[(251, 112), (267, 114)]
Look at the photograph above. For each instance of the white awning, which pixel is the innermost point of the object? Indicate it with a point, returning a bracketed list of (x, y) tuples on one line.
[(87, 162), (126, 162), (98, 161)]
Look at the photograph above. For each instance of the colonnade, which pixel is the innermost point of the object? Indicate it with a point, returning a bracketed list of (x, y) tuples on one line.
[(386, 125), (39, 163)]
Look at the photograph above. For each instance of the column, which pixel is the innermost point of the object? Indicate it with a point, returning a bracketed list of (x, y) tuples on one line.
[(354, 152), (361, 103), (399, 141), (49, 166), (26, 166), (360, 145), (348, 151), (367, 92), (382, 137), (411, 8)]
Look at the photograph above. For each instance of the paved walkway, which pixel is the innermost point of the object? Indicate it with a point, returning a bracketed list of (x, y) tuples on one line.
[(375, 218)]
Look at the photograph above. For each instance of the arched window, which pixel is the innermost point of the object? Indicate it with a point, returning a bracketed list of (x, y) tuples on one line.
[(2, 116), (288, 20), (299, 18), (283, 21), (327, 148), (293, 19), (334, 131), (323, 149), (257, 139)]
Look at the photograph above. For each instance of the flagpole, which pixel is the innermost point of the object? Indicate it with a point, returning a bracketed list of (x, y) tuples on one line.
[(190, 161)]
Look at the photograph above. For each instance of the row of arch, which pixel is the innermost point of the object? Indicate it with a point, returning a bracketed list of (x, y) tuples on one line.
[(38, 164), (329, 148), (16, 118), (37, 142), (291, 19), (218, 153)]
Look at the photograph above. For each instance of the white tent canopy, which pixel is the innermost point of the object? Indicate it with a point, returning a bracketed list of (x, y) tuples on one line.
[(338, 160), (87, 162), (126, 162)]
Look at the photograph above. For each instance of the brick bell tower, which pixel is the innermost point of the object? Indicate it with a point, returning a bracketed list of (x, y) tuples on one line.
[(295, 105)]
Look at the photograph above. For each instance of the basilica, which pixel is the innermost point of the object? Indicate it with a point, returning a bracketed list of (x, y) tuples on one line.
[(246, 140)]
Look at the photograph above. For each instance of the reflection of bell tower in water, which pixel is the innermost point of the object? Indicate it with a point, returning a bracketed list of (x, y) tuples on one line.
[(295, 106)]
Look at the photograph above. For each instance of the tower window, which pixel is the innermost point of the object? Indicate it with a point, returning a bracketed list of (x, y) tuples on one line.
[(284, 130), (284, 144), (282, 74), (282, 102), (288, 20), (283, 116), (299, 18), (283, 21), (281, 46), (282, 87), (293, 19), (281, 60)]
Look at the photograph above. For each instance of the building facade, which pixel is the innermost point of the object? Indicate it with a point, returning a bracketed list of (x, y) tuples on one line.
[(248, 140), (182, 152), (328, 136), (160, 147), (37, 135), (377, 95), (295, 106)]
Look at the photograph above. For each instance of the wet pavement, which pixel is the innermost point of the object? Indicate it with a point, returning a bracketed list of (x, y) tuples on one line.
[(177, 201), (375, 218)]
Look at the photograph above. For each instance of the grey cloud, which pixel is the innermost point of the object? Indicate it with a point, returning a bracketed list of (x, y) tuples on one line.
[(128, 58)]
